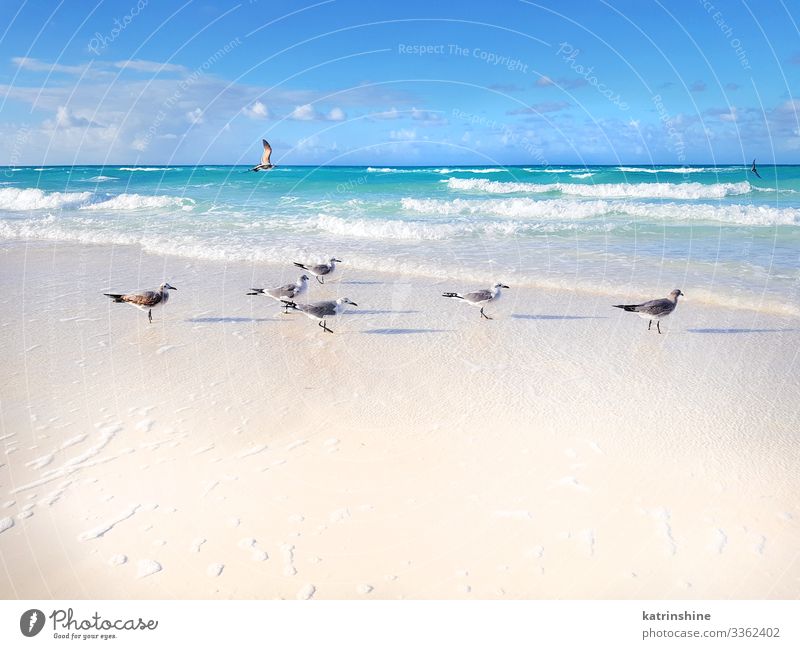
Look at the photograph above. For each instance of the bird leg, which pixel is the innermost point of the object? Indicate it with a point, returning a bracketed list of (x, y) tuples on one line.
[(324, 327), (484, 315), (658, 325), (649, 322), (150, 315), (320, 279)]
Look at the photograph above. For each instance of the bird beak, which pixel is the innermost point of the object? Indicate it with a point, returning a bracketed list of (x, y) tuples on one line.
[(338, 261), (504, 286), (172, 288), (353, 304)]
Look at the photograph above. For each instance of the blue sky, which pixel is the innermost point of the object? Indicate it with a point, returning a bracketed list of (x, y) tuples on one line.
[(346, 82)]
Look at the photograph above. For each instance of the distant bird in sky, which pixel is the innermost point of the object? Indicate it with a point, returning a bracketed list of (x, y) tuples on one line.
[(480, 298), (320, 270), (321, 311), (754, 170), (144, 300), (286, 292), (654, 309), (265, 164)]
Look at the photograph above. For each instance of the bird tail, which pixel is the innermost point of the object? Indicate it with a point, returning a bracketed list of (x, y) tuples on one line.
[(256, 291), (117, 297), (625, 307), (289, 304), (300, 265), (452, 295)]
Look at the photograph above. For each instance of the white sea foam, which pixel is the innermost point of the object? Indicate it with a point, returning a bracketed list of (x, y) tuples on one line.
[(678, 170), (130, 202), (19, 200), (149, 169), (98, 179), (683, 191), (588, 174), (568, 209)]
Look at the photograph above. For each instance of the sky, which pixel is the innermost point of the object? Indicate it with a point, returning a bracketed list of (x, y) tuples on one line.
[(342, 82)]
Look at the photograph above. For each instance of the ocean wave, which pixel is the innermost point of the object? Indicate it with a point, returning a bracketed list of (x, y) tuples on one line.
[(678, 170), (98, 179), (149, 169), (418, 230), (130, 202), (20, 200), (569, 210), (487, 170), (588, 174), (684, 191)]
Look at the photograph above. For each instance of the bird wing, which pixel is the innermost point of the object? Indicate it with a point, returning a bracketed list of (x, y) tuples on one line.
[(319, 309), (285, 291), (267, 153), (478, 296), (321, 269), (658, 307), (143, 298)]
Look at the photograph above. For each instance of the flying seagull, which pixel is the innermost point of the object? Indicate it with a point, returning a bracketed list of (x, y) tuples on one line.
[(654, 309), (321, 311), (265, 164), (144, 300), (320, 270), (754, 170), (480, 298), (286, 292)]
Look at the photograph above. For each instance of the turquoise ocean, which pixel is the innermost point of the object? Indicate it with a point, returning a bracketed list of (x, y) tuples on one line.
[(719, 233)]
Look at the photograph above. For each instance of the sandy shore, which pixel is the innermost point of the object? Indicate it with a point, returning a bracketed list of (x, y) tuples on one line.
[(558, 451)]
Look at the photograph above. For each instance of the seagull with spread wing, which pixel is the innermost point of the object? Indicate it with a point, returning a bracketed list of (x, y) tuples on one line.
[(265, 164)]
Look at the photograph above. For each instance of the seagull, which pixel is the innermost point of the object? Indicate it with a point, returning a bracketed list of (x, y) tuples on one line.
[(754, 170), (265, 164), (320, 270), (285, 292), (480, 298), (321, 311), (654, 309), (144, 300)]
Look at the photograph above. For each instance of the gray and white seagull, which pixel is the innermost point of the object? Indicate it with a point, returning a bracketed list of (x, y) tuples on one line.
[(480, 298), (287, 292), (265, 164), (144, 300), (320, 270), (321, 311), (654, 309)]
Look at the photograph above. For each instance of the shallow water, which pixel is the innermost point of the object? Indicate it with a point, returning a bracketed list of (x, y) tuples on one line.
[(718, 233)]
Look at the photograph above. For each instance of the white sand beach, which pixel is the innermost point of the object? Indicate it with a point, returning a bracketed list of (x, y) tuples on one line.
[(231, 451)]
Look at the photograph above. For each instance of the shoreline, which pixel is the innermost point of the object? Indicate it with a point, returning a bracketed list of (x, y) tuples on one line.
[(560, 450)]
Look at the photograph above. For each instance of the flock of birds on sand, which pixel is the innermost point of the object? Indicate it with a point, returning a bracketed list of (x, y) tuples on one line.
[(322, 311)]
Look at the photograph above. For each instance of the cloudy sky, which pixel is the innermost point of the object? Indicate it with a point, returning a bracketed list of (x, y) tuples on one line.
[(413, 82)]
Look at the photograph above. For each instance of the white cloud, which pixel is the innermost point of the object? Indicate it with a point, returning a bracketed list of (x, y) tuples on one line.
[(256, 111), (337, 115), (393, 113), (427, 116), (195, 116), (303, 113), (35, 65), (403, 134), (141, 65)]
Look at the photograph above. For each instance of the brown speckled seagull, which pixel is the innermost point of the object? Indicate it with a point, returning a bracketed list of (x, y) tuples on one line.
[(144, 300)]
